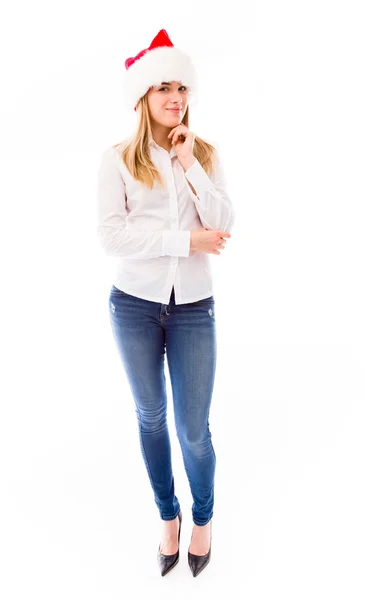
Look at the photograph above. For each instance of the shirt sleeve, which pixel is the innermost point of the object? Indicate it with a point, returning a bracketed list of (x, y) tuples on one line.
[(115, 237), (212, 201)]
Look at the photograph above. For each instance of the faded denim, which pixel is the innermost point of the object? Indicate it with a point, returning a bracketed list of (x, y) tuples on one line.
[(144, 332)]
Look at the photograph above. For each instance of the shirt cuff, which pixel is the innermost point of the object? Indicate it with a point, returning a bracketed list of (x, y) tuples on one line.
[(176, 242), (198, 177)]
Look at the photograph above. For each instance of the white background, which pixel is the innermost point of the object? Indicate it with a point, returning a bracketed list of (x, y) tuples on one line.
[(282, 93)]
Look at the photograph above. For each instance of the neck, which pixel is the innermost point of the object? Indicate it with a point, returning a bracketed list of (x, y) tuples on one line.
[(159, 134)]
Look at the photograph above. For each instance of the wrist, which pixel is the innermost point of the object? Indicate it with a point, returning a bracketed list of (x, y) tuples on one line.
[(187, 162)]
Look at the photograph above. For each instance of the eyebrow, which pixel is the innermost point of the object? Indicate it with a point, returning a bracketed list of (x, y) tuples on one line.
[(168, 83)]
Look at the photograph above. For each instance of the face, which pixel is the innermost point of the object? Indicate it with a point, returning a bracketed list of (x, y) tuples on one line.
[(162, 98)]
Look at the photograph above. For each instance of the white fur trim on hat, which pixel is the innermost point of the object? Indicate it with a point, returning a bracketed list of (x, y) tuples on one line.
[(165, 63)]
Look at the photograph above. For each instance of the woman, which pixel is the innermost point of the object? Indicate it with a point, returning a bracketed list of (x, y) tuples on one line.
[(162, 208)]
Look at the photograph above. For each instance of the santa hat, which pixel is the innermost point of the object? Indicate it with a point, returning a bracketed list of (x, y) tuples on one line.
[(160, 62)]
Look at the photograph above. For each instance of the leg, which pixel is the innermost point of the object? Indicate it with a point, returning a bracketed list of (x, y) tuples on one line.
[(191, 356), (140, 340)]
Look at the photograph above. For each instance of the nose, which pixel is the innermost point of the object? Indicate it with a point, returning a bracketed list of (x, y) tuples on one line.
[(177, 97)]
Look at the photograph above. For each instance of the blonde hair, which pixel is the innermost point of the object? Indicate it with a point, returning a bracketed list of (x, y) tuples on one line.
[(135, 151)]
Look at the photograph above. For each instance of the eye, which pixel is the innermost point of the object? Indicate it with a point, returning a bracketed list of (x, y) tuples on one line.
[(166, 88)]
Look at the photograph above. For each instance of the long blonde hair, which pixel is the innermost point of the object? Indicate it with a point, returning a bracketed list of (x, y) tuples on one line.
[(135, 151)]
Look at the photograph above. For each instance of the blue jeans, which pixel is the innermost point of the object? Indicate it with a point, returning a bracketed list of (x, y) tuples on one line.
[(143, 332)]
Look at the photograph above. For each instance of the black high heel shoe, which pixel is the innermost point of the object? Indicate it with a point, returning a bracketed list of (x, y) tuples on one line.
[(168, 561), (198, 563)]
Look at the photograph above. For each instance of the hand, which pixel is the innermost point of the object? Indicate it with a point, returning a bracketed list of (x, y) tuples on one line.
[(208, 240), (182, 140)]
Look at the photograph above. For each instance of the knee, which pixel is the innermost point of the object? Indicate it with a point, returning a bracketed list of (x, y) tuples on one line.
[(197, 441), (151, 420)]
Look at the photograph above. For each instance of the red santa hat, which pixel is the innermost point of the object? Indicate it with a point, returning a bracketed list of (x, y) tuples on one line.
[(161, 61)]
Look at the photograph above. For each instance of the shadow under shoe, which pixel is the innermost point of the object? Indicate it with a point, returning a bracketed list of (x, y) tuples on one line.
[(168, 561), (198, 563)]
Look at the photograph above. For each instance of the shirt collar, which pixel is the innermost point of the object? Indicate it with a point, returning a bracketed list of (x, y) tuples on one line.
[(152, 142)]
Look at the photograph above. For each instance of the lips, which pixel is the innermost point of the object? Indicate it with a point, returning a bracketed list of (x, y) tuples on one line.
[(174, 109)]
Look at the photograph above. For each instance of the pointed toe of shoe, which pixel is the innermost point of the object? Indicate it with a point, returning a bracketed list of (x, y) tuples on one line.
[(166, 562), (198, 563)]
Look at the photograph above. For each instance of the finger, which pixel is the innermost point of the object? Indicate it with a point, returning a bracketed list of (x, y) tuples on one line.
[(173, 130), (173, 135), (224, 234), (178, 137)]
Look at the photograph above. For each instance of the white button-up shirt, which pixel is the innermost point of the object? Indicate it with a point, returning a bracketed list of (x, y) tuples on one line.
[(148, 231)]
